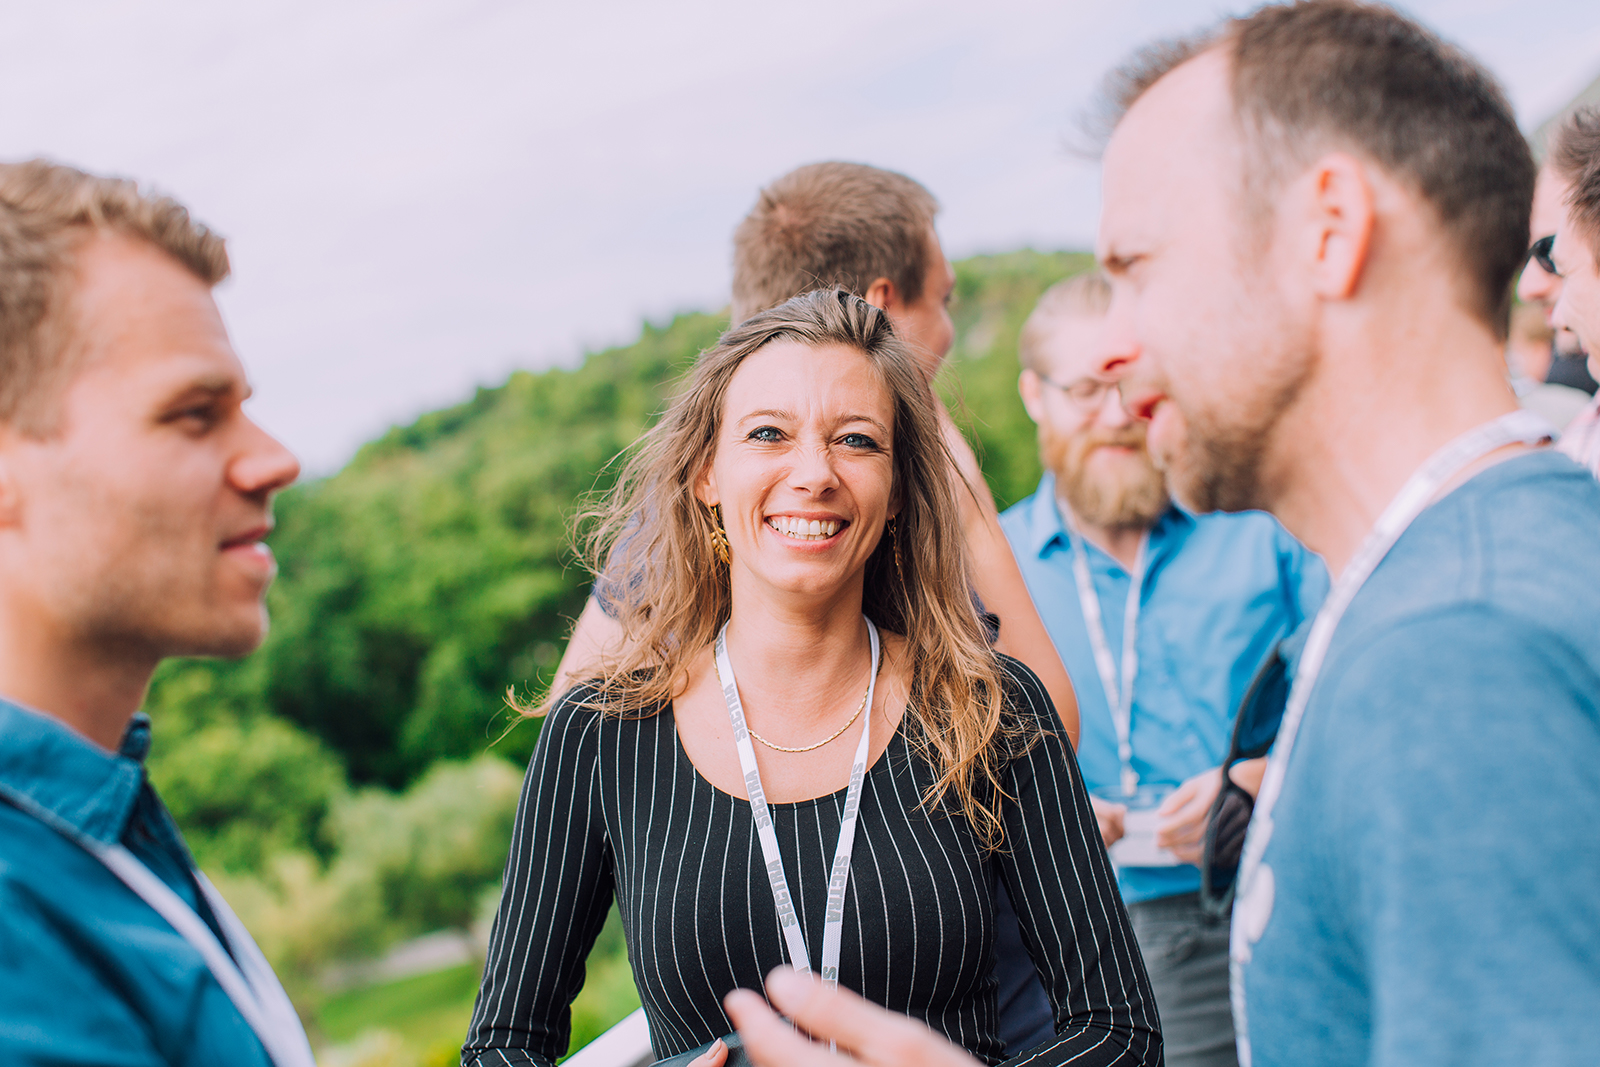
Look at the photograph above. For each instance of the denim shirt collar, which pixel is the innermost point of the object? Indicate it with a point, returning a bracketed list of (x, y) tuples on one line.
[(1047, 534), (51, 772)]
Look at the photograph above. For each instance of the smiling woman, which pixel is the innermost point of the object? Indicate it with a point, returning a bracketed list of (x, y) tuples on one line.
[(786, 558)]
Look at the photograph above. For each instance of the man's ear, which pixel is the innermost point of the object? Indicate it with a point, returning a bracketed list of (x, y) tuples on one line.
[(10, 491), (1341, 211), (1028, 385), (883, 294)]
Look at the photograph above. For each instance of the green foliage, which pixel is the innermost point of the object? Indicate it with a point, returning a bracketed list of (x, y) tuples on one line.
[(425, 1011), (435, 570), (243, 783), (402, 864), (993, 297)]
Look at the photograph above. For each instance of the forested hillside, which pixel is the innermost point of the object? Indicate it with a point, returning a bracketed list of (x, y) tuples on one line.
[(327, 778)]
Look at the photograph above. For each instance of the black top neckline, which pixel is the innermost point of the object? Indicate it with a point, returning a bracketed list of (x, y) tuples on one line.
[(837, 796)]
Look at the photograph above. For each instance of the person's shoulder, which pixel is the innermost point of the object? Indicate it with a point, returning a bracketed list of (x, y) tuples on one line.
[(1027, 700), (1520, 536), (575, 717), (1020, 518), (1246, 532), (41, 871), (1451, 669)]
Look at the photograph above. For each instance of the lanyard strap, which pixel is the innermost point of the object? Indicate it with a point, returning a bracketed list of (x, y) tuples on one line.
[(1119, 692), (788, 917), (249, 983), (1419, 491)]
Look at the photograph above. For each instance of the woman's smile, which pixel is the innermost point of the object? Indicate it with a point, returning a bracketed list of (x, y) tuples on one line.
[(800, 528)]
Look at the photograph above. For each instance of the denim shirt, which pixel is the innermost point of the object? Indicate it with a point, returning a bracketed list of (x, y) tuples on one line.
[(89, 973), (1219, 592)]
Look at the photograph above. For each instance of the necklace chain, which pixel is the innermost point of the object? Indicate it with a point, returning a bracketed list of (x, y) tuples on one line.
[(833, 737)]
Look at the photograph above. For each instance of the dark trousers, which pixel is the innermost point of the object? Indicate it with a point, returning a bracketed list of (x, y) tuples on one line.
[(1186, 954)]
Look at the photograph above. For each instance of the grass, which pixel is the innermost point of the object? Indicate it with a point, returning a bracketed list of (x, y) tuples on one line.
[(429, 1013)]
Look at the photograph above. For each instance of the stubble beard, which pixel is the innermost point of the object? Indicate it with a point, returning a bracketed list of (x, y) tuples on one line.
[(1130, 500), (1227, 448)]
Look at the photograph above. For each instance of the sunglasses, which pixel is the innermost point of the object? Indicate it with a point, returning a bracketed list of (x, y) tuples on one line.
[(1540, 254), (1260, 715)]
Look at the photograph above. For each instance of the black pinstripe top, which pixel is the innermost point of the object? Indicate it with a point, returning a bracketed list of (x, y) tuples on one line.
[(614, 806)]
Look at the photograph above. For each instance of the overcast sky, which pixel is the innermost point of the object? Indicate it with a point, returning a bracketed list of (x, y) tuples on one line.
[(421, 195)]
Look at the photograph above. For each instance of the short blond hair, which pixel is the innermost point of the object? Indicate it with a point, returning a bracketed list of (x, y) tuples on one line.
[(47, 211), (1080, 296)]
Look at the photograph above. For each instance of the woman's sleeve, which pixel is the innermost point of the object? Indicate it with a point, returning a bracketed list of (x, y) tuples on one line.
[(557, 891), (1067, 903)]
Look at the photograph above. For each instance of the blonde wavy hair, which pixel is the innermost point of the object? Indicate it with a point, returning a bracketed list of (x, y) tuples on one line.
[(649, 543)]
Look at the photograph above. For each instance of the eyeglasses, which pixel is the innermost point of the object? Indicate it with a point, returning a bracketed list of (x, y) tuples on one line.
[(1087, 394), (1540, 254)]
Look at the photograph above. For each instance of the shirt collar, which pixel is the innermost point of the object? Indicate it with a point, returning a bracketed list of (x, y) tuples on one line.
[(1046, 532), (61, 778)]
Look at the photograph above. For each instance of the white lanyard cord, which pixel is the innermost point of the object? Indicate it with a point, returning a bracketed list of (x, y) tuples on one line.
[(1419, 491), (250, 983), (1119, 692), (788, 916)]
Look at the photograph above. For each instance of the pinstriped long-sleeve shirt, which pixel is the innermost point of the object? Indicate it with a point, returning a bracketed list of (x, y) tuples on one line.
[(613, 807)]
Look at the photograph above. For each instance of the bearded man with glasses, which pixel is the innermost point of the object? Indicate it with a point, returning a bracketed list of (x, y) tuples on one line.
[(1161, 618)]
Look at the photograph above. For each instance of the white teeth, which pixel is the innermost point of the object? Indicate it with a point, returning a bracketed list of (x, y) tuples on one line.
[(804, 529)]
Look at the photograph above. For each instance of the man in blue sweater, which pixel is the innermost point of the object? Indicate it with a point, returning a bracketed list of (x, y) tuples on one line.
[(1312, 219), (134, 495)]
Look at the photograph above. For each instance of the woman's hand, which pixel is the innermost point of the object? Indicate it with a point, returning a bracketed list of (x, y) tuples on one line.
[(863, 1031)]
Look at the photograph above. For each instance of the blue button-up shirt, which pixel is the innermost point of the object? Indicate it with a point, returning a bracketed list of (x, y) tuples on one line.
[(89, 973), (1219, 592)]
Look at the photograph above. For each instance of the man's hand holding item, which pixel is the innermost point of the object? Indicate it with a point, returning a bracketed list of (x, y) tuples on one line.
[(862, 1031)]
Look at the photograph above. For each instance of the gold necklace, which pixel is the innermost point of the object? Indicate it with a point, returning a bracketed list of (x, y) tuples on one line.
[(819, 744)]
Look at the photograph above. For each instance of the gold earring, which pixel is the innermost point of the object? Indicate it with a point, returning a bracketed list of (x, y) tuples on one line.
[(895, 541), (719, 537)]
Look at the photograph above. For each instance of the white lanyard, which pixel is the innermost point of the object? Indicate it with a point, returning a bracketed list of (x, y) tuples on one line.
[(249, 983), (788, 916), (1256, 888), (1119, 693)]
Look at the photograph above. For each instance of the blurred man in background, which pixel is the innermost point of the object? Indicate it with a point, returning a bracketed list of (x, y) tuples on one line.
[(1540, 286), (134, 496), (1528, 361), (1575, 163), (1172, 613)]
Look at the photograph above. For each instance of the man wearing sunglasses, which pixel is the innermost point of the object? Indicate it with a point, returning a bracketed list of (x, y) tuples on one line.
[(1540, 282), (1574, 255), (1161, 617)]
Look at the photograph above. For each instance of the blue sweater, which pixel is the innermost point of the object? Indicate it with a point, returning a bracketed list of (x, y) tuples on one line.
[(1436, 852)]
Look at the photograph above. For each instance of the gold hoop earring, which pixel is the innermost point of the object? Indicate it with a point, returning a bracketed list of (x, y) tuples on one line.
[(719, 537), (894, 540)]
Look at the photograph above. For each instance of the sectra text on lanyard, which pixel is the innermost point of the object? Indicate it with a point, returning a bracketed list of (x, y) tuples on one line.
[(1119, 691), (1253, 907), (782, 899)]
